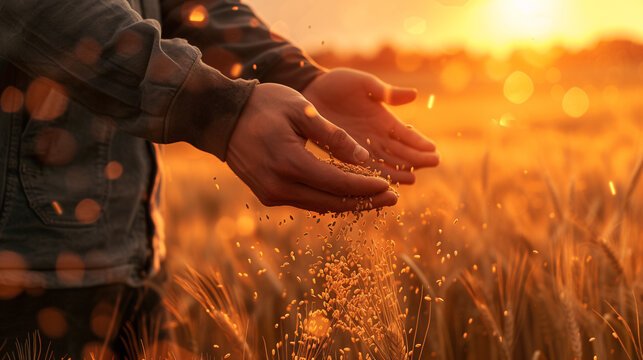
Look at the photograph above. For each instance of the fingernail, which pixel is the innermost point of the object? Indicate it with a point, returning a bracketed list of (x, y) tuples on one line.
[(360, 154)]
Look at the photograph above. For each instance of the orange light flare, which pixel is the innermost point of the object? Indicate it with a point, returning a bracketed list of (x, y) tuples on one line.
[(431, 101), (612, 188), (236, 70), (198, 16)]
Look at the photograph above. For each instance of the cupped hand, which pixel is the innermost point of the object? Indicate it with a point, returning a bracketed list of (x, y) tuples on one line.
[(267, 152), (354, 101)]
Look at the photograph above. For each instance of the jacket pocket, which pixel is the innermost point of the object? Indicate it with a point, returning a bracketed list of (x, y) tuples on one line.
[(62, 166)]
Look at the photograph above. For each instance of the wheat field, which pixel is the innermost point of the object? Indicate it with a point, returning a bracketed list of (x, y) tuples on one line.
[(525, 243)]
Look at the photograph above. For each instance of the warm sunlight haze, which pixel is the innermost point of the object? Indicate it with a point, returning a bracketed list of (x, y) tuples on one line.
[(478, 25), (332, 180)]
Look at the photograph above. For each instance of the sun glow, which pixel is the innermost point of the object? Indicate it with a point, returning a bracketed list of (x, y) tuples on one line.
[(482, 26), (523, 19)]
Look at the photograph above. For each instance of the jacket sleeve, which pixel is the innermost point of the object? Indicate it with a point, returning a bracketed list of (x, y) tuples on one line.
[(234, 40), (105, 56)]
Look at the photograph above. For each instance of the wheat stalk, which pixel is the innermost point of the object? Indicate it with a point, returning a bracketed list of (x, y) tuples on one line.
[(573, 331), (218, 304), (32, 349)]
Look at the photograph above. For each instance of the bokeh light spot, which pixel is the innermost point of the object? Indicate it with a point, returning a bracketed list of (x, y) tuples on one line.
[(518, 87), (87, 51), (70, 268), (235, 70), (46, 99), (11, 99), (101, 319), (129, 43), (11, 262), (51, 322), (455, 76), (245, 225), (198, 16), (113, 170), (575, 102), (87, 211), (9, 291)]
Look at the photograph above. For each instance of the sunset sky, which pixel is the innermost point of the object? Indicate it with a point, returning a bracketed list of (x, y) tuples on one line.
[(479, 25)]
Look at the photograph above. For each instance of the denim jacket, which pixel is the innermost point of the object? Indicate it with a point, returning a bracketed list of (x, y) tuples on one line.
[(86, 88)]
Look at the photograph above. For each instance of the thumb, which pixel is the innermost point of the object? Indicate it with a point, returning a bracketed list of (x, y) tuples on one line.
[(331, 137), (392, 95)]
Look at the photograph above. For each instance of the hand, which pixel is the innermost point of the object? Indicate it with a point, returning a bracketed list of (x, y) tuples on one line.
[(267, 152), (354, 101)]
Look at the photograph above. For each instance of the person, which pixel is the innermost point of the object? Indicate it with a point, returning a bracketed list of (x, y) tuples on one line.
[(87, 87)]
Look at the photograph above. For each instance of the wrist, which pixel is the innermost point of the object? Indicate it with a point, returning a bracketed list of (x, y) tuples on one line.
[(205, 110)]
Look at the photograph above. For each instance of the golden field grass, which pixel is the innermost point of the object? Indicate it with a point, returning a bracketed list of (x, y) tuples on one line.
[(525, 243)]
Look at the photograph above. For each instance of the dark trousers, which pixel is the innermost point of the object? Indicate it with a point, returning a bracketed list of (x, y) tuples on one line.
[(110, 322)]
